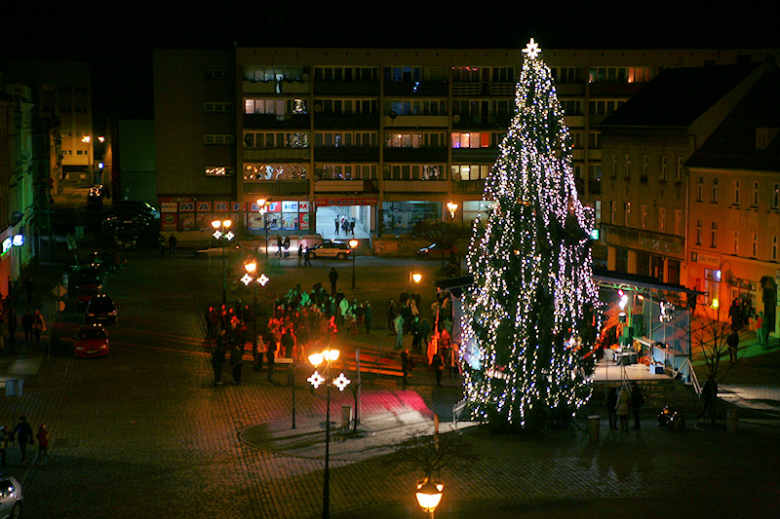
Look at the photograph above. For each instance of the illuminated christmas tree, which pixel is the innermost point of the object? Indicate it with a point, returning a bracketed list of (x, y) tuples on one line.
[(527, 319)]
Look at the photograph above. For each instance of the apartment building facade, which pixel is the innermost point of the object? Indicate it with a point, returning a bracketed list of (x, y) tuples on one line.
[(691, 172), (389, 136)]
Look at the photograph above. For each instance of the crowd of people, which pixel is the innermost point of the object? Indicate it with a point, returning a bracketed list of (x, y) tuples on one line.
[(304, 318)]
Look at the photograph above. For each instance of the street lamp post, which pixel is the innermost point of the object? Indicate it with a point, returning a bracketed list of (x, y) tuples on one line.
[(223, 233), (353, 244), (252, 277), (263, 204), (341, 382), (429, 495)]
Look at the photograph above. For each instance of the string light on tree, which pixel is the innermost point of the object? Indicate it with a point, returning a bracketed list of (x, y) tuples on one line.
[(528, 317)]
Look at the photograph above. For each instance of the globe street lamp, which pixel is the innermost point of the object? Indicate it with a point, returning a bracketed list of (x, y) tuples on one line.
[(353, 244), (252, 277), (452, 207), (326, 358), (223, 233), (414, 277), (263, 210), (429, 495)]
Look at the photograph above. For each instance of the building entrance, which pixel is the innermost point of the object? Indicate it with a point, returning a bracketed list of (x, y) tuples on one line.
[(334, 222)]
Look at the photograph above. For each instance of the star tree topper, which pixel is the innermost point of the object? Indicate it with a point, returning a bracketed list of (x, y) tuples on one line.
[(532, 49)]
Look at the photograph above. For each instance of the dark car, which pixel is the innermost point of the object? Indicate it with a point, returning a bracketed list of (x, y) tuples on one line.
[(101, 309), (89, 283), (141, 210), (95, 197), (330, 249), (435, 251)]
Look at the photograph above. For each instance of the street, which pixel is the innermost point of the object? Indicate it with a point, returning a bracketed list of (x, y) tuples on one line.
[(144, 432)]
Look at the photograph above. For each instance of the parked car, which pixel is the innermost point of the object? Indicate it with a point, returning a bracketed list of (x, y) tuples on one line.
[(139, 209), (95, 197), (215, 250), (126, 237), (89, 283), (330, 249), (10, 497), (101, 309), (113, 223), (435, 251), (91, 341)]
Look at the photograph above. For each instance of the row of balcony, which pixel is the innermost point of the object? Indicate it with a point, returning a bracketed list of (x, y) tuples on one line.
[(428, 88), (497, 122), (302, 187), (358, 154)]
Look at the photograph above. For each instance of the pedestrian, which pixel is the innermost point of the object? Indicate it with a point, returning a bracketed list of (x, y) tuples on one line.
[(43, 443), (623, 407), (172, 242), (709, 393), (237, 361), (398, 326), (279, 245), (5, 437), (733, 343), (333, 276), (368, 316), (270, 354), (300, 253), (39, 326), (336, 222), (390, 314), (161, 242), (24, 434), (286, 245), (438, 366), (287, 342), (612, 400), (12, 325), (637, 401), (759, 326), (734, 315), (259, 353), (416, 337), (307, 258), (29, 286), (27, 325), (218, 358), (425, 330), (406, 364)]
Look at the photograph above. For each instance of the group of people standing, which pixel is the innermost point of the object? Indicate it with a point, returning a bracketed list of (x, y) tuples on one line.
[(347, 225), (23, 432), (620, 404)]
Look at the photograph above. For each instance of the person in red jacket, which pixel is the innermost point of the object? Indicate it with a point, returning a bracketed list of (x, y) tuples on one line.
[(43, 443)]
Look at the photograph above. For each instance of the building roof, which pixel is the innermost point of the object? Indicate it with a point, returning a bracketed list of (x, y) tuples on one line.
[(679, 96), (733, 144)]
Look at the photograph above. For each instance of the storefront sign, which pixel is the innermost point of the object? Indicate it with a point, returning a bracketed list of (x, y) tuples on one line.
[(290, 207), (169, 207), (204, 207), (7, 244), (186, 206), (221, 207), (303, 207), (345, 201), (705, 259)]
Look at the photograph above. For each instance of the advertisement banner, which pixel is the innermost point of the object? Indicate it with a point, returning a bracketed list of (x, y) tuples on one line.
[(168, 221)]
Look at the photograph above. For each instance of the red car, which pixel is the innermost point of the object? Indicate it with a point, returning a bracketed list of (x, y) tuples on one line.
[(91, 341)]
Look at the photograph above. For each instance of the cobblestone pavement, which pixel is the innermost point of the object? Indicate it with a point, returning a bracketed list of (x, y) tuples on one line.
[(145, 433)]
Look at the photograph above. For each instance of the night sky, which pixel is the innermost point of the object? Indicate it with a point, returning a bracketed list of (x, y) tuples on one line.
[(119, 36)]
